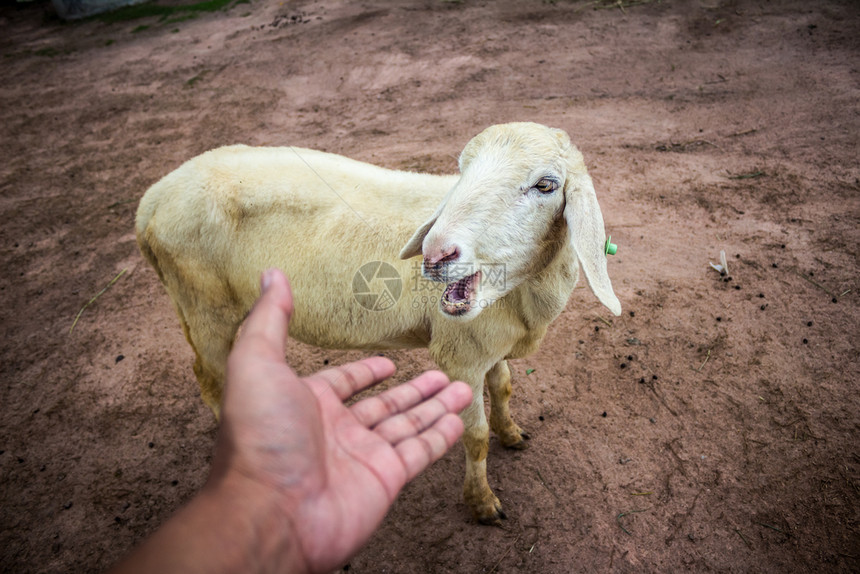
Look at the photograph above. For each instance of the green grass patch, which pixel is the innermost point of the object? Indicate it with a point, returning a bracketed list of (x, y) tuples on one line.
[(190, 83), (181, 18), (47, 52), (150, 10)]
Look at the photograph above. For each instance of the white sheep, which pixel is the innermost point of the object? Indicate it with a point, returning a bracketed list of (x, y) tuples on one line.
[(503, 245)]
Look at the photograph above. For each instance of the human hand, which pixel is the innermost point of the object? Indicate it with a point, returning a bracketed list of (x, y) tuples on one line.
[(289, 444)]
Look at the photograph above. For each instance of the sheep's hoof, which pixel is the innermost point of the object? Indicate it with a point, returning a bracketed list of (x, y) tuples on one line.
[(516, 441), (521, 445), (491, 515)]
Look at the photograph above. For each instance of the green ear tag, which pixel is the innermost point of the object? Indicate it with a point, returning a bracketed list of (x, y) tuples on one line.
[(611, 248)]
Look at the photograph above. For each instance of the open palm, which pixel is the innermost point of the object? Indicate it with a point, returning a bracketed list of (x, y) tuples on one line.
[(335, 470)]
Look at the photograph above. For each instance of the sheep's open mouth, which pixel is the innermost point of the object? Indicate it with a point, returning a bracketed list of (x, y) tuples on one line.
[(459, 295)]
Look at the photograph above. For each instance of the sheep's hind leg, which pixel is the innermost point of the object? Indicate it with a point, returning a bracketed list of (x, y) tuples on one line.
[(211, 386), (211, 345), (499, 385)]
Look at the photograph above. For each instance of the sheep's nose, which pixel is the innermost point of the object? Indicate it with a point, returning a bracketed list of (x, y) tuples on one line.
[(437, 256)]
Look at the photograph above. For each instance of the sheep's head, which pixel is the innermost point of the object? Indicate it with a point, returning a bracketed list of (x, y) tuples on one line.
[(523, 192)]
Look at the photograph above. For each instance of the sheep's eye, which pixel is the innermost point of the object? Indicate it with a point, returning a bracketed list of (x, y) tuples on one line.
[(546, 185)]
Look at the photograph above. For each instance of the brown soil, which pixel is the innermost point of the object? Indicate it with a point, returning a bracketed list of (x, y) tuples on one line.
[(712, 427)]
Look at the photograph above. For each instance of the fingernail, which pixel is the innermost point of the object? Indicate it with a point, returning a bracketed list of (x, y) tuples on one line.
[(266, 280)]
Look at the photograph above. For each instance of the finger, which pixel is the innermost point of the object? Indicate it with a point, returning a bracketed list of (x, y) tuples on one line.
[(419, 452), (452, 399), (264, 333), (373, 410), (352, 378)]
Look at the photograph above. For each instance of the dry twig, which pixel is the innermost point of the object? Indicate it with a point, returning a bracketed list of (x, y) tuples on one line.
[(744, 538), (505, 554), (623, 514), (91, 301), (815, 283), (702, 366)]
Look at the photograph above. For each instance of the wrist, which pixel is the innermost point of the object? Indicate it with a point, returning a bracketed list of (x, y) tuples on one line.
[(261, 536)]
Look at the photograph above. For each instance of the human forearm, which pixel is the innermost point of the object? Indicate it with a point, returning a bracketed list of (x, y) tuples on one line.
[(224, 529)]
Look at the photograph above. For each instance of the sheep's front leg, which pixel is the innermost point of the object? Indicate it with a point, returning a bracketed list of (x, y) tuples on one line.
[(463, 366), (499, 384), (476, 439)]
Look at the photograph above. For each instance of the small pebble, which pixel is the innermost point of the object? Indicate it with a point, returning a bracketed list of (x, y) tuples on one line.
[(604, 414), (67, 505), (653, 420), (775, 266)]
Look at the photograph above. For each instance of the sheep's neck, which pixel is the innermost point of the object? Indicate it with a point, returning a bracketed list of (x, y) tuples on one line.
[(553, 276)]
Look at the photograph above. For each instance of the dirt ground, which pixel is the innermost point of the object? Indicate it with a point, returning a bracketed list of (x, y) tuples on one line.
[(714, 426)]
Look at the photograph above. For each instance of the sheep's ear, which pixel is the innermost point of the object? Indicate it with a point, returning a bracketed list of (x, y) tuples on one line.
[(413, 246), (585, 226)]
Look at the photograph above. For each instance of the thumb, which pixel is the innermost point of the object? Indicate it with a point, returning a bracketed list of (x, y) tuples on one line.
[(264, 333)]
